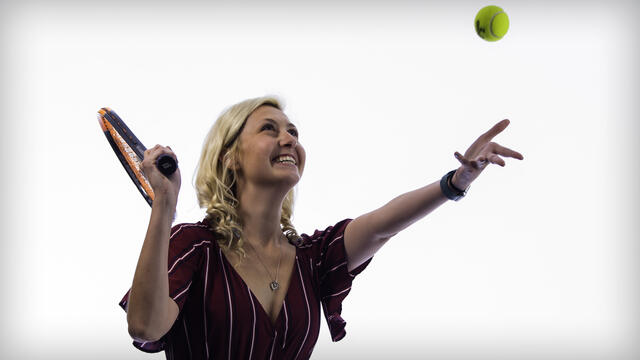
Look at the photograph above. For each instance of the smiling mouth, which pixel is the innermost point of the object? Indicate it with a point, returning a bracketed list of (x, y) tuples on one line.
[(285, 160)]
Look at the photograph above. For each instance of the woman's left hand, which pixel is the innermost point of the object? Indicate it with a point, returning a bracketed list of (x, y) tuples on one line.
[(480, 154)]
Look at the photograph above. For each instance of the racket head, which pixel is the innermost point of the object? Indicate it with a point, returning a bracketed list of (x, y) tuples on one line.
[(127, 148)]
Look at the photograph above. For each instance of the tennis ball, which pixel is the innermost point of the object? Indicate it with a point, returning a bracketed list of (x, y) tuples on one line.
[(492, 23)]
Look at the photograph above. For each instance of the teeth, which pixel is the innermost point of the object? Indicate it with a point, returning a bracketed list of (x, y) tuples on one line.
[(286, 158)]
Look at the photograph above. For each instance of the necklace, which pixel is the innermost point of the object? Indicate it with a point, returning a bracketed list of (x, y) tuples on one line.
[(274, 285)]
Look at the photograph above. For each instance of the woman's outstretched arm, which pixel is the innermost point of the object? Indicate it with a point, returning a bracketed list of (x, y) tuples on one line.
[(366, 234)]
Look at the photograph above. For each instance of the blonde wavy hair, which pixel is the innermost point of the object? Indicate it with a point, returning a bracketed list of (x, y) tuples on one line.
[(216, 182)]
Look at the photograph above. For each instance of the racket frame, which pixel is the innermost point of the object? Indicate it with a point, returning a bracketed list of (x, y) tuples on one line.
[(114, 127)]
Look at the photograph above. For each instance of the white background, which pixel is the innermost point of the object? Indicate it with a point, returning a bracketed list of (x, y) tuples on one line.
[(539, 261)]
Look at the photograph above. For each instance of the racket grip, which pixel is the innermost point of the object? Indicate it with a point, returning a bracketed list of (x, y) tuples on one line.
[(166, 164)]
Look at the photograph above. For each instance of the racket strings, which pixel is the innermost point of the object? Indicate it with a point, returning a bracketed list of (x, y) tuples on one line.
[(131, 157)]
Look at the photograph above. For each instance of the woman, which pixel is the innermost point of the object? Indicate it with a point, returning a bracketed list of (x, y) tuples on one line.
[(241, 283)]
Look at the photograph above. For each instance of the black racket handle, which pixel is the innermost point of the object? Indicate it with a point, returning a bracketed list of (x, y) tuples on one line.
[(166, 164)]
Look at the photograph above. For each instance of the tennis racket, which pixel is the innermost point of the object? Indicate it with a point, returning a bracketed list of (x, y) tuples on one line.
[(130, 152)]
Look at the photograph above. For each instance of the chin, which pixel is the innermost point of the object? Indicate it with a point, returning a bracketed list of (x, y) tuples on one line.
[(293, 181)]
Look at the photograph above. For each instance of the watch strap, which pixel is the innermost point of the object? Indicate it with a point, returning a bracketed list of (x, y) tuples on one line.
[(449, 190)]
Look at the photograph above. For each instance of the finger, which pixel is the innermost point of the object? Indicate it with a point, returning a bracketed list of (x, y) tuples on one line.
[(495, 159), (461, 158), (487, 137), (495, 130), (167, 151), (479, 163), (504, 151), (150, 151), (159, 150)]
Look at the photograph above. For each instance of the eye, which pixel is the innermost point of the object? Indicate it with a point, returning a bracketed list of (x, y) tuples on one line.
[(293, 132)]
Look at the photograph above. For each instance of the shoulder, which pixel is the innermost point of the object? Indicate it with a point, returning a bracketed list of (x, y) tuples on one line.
[(189, 245), (188, 235), (194, 229), (324, 237)]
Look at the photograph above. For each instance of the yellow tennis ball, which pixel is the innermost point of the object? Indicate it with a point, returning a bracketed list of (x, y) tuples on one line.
[(492, 23)]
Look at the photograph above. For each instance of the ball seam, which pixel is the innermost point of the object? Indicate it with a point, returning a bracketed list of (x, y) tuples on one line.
[(491, 24)]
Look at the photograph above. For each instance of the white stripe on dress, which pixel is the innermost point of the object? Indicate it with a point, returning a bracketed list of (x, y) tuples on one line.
[(274, 344), (334, 240), (338, 293), (183, 291), (253, 333), (286, 322), (185, 255), (226, 280), (204, 306), (308, 309), (336, 267), (185, 226)]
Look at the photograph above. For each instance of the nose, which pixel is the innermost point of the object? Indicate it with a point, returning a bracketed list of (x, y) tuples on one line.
[(288, 140)]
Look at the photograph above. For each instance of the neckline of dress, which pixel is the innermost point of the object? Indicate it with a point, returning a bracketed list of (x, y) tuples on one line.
[(272, 326)]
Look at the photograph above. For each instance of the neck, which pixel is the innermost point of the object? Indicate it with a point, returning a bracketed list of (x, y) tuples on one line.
[(260, 210)]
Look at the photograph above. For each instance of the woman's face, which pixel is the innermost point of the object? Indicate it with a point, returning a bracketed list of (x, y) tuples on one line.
[(266, 135)]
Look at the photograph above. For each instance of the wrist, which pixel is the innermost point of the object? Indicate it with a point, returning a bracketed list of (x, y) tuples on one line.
[(455, 183), (449, 190), (164, 202)]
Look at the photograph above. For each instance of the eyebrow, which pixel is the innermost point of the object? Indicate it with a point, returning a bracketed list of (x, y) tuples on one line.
[(275, 122)]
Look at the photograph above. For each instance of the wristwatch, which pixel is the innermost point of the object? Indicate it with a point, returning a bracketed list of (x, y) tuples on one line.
[(450, 191)]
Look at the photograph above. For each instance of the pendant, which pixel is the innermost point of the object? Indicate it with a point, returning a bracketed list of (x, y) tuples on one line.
[(274, 285)]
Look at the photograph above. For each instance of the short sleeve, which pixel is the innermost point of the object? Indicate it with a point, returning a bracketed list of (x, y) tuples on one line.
[(185, 258), (334, 278)]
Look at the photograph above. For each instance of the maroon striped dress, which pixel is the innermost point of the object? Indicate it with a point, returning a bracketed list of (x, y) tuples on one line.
[(220, 318)]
